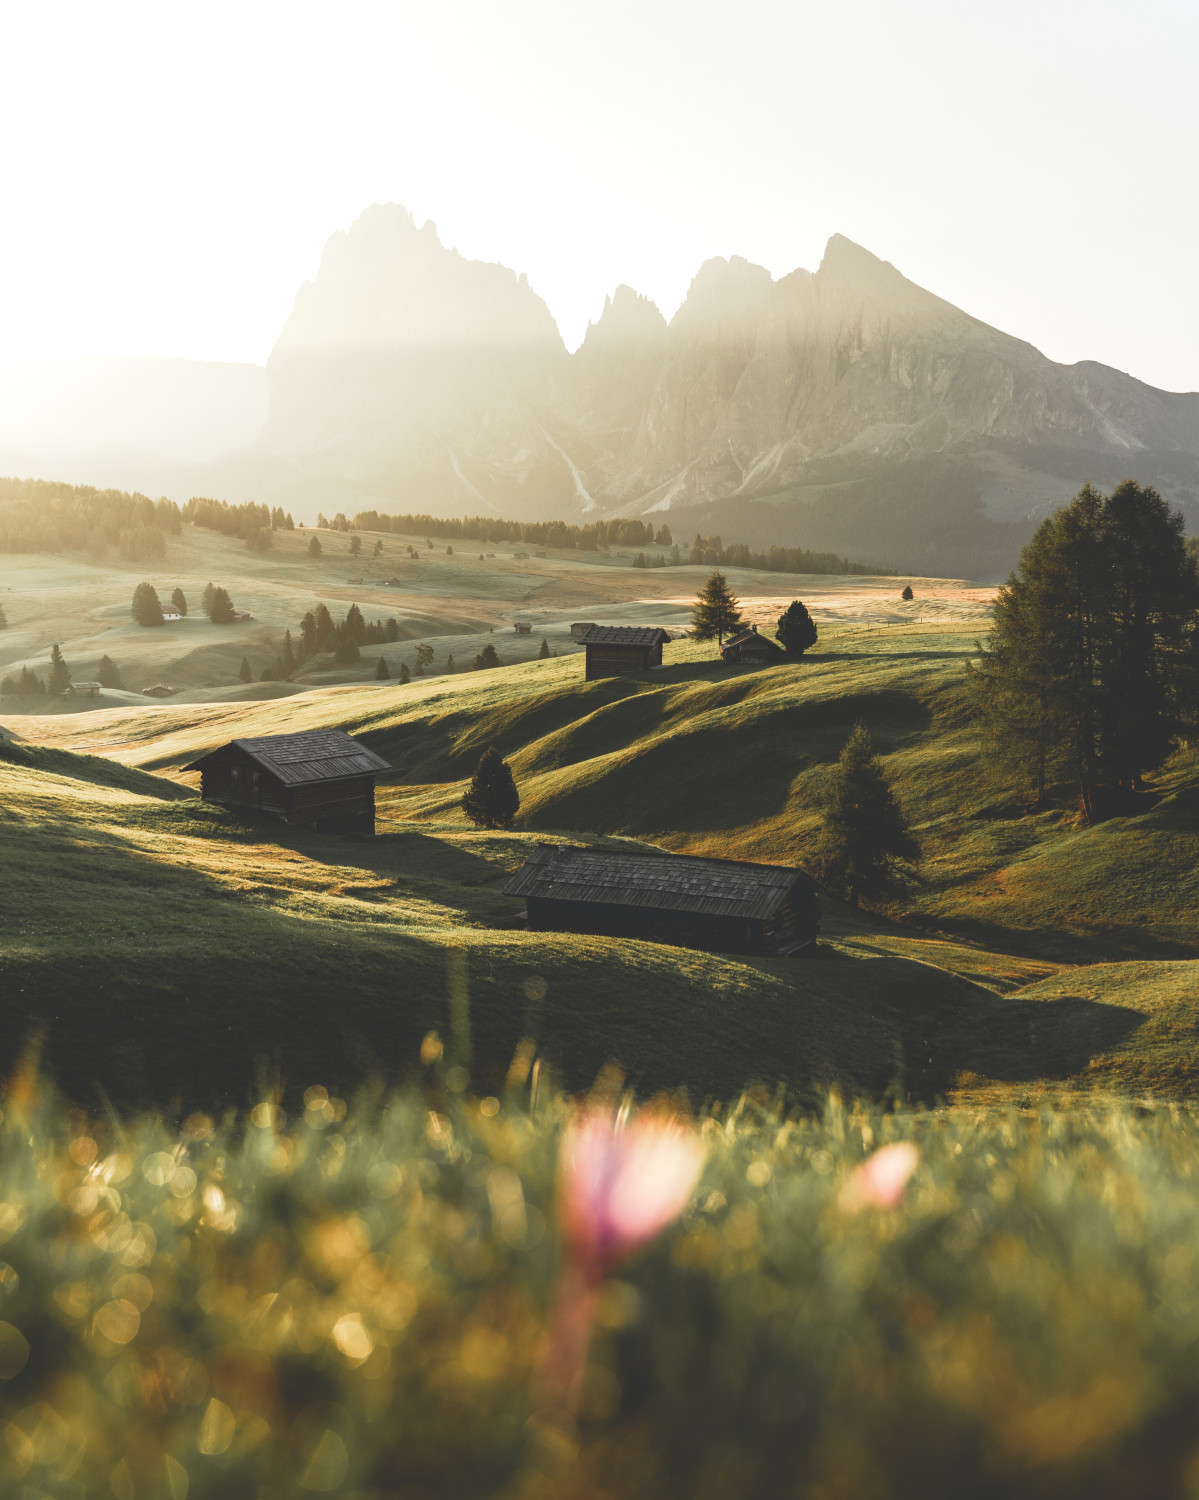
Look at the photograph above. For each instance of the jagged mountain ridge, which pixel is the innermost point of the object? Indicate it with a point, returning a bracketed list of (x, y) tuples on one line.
[(428, 380)]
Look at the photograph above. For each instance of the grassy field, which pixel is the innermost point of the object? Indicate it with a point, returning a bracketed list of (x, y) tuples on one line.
[(353, 1302), (167, 948)]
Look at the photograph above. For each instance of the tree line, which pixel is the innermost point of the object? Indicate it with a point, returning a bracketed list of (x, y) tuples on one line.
[(38, 515), (618, 532), (252, 522)]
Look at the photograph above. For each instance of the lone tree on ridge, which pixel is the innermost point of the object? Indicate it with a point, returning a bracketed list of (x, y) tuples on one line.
[(796, 629), (146, 608), (381, 669), (314, 547), (865, 845), (491, 800), (907, 595), (716, 612)]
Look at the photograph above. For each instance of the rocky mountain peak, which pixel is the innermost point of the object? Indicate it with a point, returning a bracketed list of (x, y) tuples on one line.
[(387, 284), (627, 319)]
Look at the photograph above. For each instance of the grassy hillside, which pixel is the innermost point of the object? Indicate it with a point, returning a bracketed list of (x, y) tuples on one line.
[(171, 946)]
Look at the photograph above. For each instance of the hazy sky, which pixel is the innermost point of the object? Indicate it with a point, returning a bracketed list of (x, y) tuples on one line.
[(169, 173)]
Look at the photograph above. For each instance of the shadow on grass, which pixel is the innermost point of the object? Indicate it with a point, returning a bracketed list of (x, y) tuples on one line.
[(1010, 1040)]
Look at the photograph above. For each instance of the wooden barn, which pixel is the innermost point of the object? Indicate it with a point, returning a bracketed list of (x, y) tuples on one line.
[(750, 648), (321, 779), (613, 650), (724, 905)]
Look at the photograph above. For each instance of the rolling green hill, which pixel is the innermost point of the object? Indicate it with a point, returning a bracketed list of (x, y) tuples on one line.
[(171, 948)]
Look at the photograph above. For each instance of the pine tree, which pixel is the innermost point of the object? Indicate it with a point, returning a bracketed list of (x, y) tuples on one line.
[(355, 625), (716, 612), (664, 538), (107, 673), (424, 657), (864, 842), (245, 671), (146, 608), (381, 671), (488, 657), (314, 547), (796, 629), (543, 654), (355, 546), (1087, 671), (220, 607), (29, 683), (179, 602), (491, 800), (378, 548), (450, 664), (206, 597), (59, 677), (405, 675), (907, 596)]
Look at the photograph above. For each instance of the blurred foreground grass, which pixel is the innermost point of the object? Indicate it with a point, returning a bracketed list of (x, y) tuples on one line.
[(352, 1303)]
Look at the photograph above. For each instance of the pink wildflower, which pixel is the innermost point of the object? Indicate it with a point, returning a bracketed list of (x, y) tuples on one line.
[(880, 1180), (621, 1184)]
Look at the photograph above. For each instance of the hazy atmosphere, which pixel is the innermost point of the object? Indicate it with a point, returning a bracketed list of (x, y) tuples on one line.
[(169, 176), (599, 751)]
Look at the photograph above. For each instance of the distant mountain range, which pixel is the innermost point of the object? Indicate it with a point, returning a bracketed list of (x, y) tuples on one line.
[(844, 409)]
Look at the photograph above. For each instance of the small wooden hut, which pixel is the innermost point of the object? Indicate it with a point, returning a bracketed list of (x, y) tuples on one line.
[(613, 650), (724, 905), (750, 648), (321, 779)]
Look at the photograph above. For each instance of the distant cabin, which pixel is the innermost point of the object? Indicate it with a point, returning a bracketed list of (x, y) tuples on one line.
[(723, 905), (159, 690), (580, 628), (171, 615), (86, 689), (522, 628), (321, 779), (749, 648), (613, 650)]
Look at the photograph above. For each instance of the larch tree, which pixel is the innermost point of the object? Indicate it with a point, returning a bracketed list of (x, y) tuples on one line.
[(381, 669), (405, 675), (58, 679), (716, 612), (491, 800), (865, 847), (179, 602), (108, 674), (543, 653), (355, 546), (796, 629), (245, 671), (220, 607), (1087, 675), (314, 547), (147, 610)]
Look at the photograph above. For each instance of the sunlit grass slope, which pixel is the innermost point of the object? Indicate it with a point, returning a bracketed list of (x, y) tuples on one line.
[(165, 945), (162, 948)]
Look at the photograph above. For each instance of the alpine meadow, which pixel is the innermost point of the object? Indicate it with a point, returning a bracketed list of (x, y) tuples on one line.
[(599, 883)]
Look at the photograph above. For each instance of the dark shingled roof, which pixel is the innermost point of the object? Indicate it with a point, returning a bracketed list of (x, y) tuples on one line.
[(661, 882), (623, 635), (753, 638), (314, 755)]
